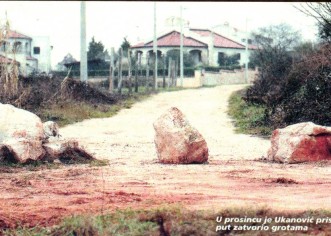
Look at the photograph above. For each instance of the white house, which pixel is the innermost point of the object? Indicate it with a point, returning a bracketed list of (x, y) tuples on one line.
[(205, 46), (33, 54)]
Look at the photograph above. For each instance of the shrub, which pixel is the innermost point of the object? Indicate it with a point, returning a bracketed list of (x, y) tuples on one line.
[(301, 94)]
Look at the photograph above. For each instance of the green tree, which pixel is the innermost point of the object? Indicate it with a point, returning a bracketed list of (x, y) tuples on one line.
[(96, 50), (175, 55), (228, 60), (125, 47)]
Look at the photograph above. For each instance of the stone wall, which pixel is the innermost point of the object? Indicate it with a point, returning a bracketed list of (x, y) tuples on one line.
[(228, 77), (202, 78), (192, 82)]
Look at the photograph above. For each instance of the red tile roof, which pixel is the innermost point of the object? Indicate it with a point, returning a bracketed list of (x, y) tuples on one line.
[(219, 40), (139, 45), (17, 35), (172, 39)]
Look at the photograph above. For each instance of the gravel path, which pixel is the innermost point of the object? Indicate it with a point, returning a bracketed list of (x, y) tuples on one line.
[(135, 179), (231, 178), (130, 134)]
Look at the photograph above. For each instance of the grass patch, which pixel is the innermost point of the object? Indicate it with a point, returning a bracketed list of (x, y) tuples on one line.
[(176, 221), (29, 166), (69, 112), (9, 166), (98, 163), (248, 118)]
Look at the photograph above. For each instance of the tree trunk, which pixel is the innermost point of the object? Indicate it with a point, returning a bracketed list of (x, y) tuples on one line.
[(169, 72), (129, 72), (111, 72), (175, 73), (113, 66), (120, 78), (137, 67), (164, 69)]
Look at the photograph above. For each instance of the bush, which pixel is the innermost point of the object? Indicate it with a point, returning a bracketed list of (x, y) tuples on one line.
[(218, 68), (188, 72), (300, 94)]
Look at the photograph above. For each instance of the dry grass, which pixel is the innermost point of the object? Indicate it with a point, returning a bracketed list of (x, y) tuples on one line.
[(175, 221), (8, 66)]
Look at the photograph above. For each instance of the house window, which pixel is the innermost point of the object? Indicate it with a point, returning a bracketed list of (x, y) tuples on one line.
[(4, 46), (36, 50), (27, 48), (17, 47)]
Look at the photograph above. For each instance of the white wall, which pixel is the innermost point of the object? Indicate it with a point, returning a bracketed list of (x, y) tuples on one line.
[(44, 58)]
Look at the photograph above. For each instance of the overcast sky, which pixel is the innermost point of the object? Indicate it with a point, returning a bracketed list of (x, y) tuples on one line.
[(111, 21)]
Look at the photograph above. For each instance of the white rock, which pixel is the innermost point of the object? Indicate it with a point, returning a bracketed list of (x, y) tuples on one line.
[(177, 141), (21, 132), (301, 142)]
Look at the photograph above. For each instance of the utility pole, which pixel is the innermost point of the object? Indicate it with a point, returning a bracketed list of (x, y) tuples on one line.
[(181, 48), (83, 53), (155, 49), (246, 52)]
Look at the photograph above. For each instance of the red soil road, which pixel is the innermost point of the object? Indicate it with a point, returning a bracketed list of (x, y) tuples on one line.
[(232, 178)]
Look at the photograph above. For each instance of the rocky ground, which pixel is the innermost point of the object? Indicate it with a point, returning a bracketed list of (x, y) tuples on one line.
[(134, 178)]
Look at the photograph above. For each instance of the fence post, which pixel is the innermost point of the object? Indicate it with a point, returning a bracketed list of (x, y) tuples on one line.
[(119, 86), (111, 69), (113, 66), (136, 72), (169, 72), (175, 73), (129, 71), (164, 69)]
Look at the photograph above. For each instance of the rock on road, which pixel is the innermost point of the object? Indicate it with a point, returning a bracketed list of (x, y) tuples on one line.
[(130, 135)]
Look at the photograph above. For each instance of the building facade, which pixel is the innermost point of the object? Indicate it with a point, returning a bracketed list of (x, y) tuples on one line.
[(204, 45), (32, 54)]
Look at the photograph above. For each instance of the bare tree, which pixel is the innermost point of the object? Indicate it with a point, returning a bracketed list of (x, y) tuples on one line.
[(321, 11), (164, 70), (111, 71), (120, 77), (275, 59), (137, 65), (129, 71)]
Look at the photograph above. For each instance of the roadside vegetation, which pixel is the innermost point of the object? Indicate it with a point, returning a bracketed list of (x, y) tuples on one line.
[(176, 221), (293, 83), (248, 118)]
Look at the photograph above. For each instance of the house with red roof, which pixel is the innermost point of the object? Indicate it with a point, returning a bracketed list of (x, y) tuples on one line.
[(32, 54), (204, 45)]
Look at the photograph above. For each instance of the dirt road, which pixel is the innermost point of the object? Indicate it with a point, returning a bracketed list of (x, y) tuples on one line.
[(135, 179)]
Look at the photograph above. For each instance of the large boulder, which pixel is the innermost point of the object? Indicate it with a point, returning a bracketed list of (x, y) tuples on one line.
[(301, 142), (21, 134), (23, 137), (176, 141)]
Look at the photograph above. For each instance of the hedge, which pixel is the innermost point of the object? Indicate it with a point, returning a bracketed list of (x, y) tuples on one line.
[(188, 72)]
